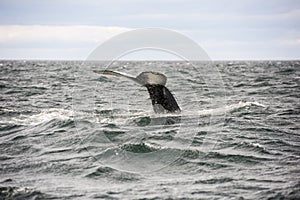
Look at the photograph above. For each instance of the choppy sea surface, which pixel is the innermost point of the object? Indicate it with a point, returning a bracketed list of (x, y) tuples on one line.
[(68, 133)]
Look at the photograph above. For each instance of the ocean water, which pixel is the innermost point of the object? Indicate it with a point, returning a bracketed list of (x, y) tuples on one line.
[(68, 133)]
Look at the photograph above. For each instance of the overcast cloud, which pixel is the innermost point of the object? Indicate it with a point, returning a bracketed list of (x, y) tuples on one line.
[(226, 29)]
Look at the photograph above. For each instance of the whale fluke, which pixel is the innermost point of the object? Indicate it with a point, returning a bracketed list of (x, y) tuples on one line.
[(162, 99), (119, 74)]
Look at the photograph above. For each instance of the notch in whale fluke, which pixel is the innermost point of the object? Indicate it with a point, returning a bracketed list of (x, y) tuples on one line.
[(162, 99)]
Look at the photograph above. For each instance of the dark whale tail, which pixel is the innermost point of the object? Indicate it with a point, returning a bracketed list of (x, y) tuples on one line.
[(162, 99)]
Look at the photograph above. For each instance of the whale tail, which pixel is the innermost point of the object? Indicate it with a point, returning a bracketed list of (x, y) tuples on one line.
[(118, 74), (162, 99)]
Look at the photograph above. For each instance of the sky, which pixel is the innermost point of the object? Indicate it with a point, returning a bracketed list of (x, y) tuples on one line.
[(225, 29)]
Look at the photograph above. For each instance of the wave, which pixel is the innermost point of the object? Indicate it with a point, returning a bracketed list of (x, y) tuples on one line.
[(113, 174), (230, 108), (140, 117), (21, 193), (204, 112), (43, 117)]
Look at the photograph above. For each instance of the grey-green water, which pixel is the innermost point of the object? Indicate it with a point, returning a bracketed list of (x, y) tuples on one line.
[(67, 133)]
